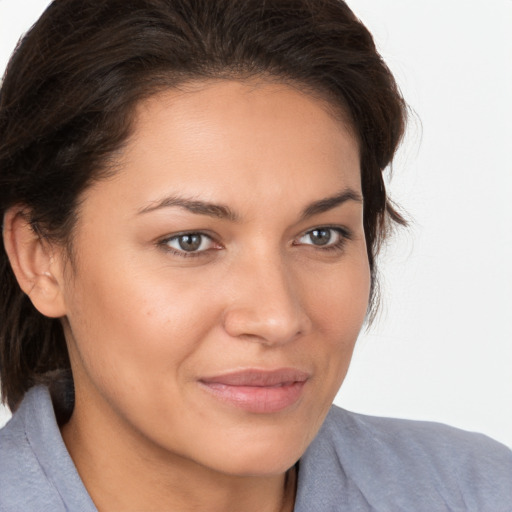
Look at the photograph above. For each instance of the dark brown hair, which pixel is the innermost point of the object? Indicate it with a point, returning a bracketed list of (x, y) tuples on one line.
[(69, 93)]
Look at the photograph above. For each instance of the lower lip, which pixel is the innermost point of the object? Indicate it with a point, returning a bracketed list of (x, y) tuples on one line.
[(258, 399)]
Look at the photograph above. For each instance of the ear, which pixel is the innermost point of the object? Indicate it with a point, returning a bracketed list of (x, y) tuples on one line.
[(37, 269)]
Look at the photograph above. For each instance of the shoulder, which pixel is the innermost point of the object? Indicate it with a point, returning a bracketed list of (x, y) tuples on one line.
[(36, 472), (407, 465), (22, 480), (439, 445)]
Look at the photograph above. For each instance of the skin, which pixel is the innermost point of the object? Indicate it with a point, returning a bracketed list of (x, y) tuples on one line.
[(145, 321)]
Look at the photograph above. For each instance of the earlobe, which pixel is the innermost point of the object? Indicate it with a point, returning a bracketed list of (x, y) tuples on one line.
[(37, 269)]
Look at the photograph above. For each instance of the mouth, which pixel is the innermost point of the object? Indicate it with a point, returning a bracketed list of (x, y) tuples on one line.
[(258, 391)]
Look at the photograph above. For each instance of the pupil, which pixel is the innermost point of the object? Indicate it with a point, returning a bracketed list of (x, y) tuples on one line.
[(321, 236), (190, 242)]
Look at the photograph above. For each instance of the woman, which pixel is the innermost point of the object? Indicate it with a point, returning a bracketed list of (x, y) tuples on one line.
[(193, 203)]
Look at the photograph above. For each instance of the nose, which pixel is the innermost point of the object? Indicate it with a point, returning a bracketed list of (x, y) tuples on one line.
[(266, 306)]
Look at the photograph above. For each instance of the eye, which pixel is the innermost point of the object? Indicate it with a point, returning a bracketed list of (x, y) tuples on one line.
[(189, 243), (324, 237)]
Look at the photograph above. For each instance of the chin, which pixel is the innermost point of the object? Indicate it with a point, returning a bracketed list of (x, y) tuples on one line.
[(258, 454)]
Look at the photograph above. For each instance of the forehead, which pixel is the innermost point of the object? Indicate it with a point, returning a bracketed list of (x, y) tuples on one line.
[(237, 100), (239, 140)]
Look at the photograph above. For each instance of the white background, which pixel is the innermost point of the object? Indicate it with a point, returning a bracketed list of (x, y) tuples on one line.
[(441, 348)]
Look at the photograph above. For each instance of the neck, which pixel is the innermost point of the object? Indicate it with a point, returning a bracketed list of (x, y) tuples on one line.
[(126, 473)]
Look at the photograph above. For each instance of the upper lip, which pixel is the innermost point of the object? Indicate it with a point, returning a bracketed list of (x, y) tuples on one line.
[(255, 377)]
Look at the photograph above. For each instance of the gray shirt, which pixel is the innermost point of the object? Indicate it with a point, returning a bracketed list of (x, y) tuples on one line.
[(356, 463)]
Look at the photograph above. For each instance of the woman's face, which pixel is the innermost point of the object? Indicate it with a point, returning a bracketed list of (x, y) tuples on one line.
[(221, 278)]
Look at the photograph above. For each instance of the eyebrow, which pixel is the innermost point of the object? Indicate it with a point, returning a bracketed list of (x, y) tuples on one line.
[(328, 203), (218, 211), (221, 211)]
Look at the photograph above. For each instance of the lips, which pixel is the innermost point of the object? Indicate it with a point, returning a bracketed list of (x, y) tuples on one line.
[(258, 391)]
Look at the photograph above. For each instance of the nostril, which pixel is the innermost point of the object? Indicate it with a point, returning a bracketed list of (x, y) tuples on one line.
[(266, 326)]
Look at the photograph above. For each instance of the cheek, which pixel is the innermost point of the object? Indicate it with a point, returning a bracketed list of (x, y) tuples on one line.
[(339, 302), (130, 327), (338, 310)]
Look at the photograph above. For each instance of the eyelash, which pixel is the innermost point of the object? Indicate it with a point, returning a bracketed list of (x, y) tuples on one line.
[(343, 233), (344, 236), (164, 243)]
